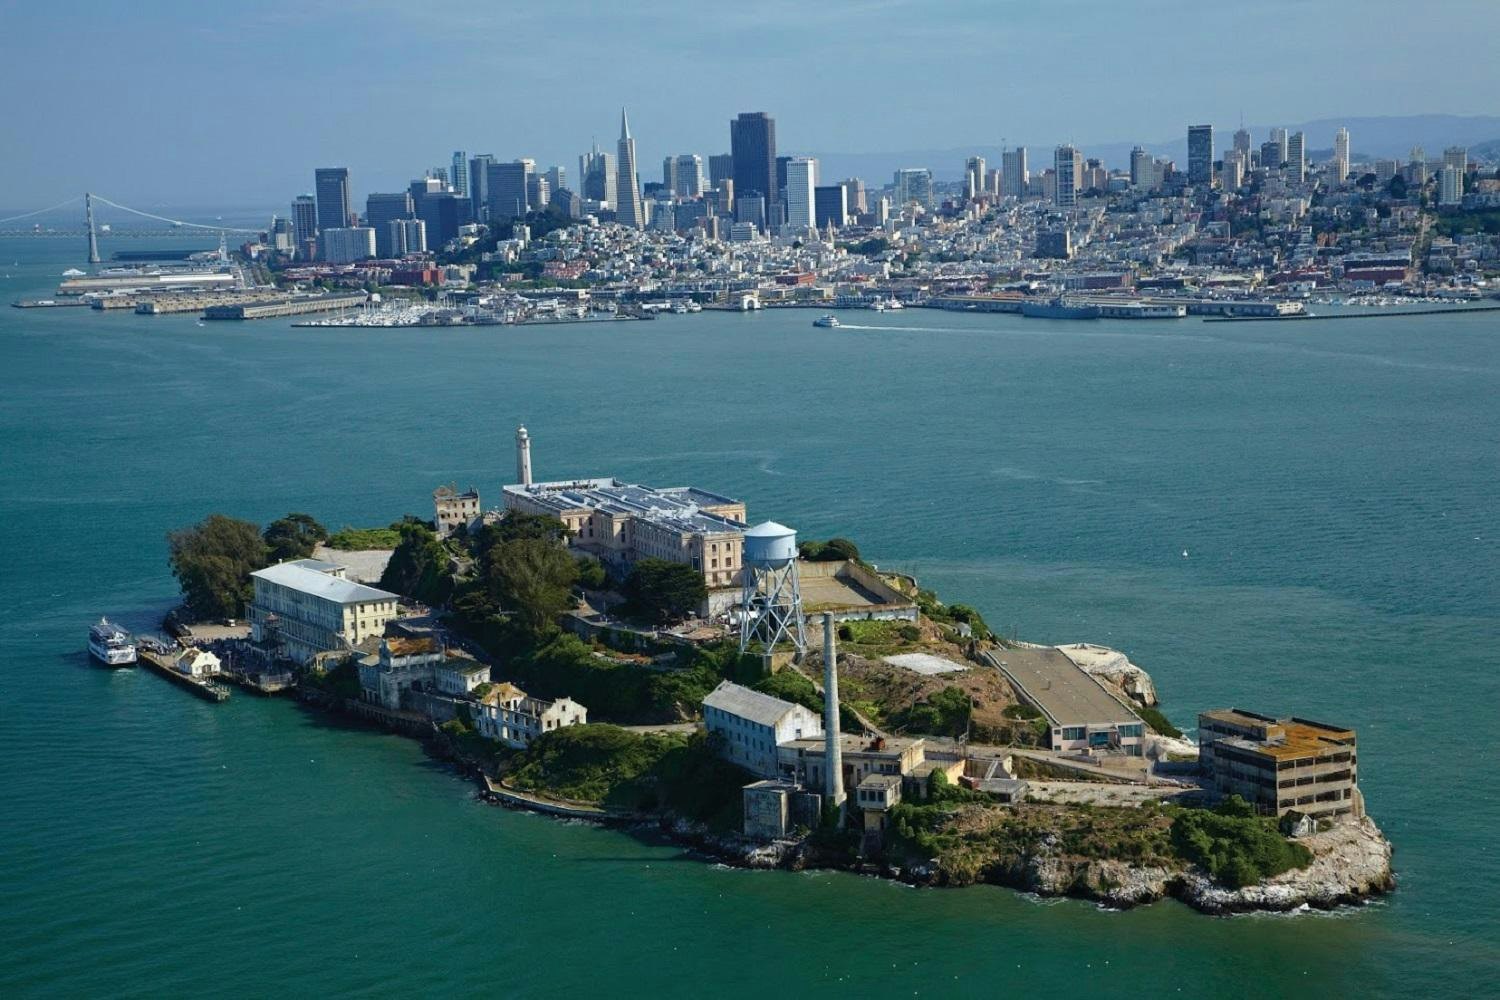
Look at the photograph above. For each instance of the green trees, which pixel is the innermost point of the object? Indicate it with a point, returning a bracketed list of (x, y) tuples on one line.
[(213, 561), (1236, 847), (662, 591), (832, 550), (419, 566), (533, 579), (293, 537), (944, 713)]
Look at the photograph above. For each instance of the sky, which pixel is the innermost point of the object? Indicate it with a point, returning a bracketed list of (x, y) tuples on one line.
[(159, 102)]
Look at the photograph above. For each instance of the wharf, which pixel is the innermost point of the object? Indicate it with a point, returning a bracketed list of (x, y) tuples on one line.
[(1372, 314), (284, 305), (264, 685), (48, 303), (162, 664)]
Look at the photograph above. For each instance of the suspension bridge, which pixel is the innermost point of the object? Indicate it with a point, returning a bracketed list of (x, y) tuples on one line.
[(92, 231)]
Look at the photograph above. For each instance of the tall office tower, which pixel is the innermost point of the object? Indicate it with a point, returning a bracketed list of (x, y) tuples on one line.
[(1416, 170), (283, 235), (974, 177), (913, 184), (992, 183), (380, 211), (557, 178), (688, 170), (1068, 164), (750, 208), (628, 210), (1451, 183), (801, 178), (422, 187), (1233, 173), (752, 143), (830, 206), (854, 196), (1242, 143), (669, 173), (346, 244), (460, 173), (404, 236), (1140, 169), (596, 173), (780, 200), (1013, 173), (479, 186), (304, 219), (538, 192), (1296, 157), (720, 169), (508, 184), (1340, 163), (334, 204), (1279, 140), (441, 212), (1201, 155)]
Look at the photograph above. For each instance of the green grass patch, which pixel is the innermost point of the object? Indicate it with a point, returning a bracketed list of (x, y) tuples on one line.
[(353, 539), (1159, 722), (1236, 847)]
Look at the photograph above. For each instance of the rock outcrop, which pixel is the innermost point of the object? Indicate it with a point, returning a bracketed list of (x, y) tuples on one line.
[(1113, 668)]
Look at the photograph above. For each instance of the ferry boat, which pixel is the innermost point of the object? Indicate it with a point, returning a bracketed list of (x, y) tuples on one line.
[(827, 322), (111, 645)]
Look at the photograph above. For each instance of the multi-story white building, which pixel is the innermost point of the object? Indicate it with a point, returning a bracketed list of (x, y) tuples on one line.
[(346, 246), (510, 715), (1296, 157), (311, 608), (1068, 165), (753, 725), (801, 178), (1340, 165), (913, 184), (1451, 180), (408, 236), (401, 664), (1014, 175)]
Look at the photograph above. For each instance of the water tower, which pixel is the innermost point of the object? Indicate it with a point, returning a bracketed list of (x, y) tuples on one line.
[(771, 601)]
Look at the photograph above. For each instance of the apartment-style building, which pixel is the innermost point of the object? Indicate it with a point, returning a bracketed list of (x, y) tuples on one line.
[(1281, 765), (309, 607)]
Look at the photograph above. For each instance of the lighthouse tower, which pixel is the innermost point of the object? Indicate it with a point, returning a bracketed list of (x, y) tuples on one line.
[(523, 456)]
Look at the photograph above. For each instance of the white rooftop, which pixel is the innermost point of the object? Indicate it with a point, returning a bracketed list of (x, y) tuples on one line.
[(744, 703), (315, 578)]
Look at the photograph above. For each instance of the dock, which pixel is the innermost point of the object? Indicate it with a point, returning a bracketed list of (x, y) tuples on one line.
[(285, 305), (208, 690)]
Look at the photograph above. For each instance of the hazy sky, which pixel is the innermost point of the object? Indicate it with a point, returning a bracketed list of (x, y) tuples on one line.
[(235, 103)]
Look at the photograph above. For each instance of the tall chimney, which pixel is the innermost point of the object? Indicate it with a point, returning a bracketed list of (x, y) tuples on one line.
[(523, 456), (833, 756)]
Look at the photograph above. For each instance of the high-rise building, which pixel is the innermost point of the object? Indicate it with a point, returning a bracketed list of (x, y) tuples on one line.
[(1242, 143), (405, 236), (750, 208), (720, 169), (508, 185), (557, 178), (1417, 169), (596, 173), (1270, 155), (913, 184), (1141, 174), (334, 203), (830, 206), (304, 219), (380, 210), (752, 143), (1279, 139), (974, 177), (628, 210), (1451, 181), (346, 244), (1201, 155), (1232, 175), (1067, 161), (687, 175), (1340, 164), (801, 179), (1296, 157), (459, 180), (441, 213), (1014, 175), (479, 186), (854, 196), (538, 192)]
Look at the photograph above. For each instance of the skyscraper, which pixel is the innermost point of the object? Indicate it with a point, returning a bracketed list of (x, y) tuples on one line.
[(1068, 163), (1142, 176), (1233, 173), (1296, 157), (913, 184), (334, 204), (720, 168), (508, 194), (688, 175), (1451, 181), (801, 178), (1278, 137), (628, 208), (596, 173), (479, 186), (1014, 175), (752, 143), (304, 219), (974, 177), (1242, 143), (830, 206), (380, 211), (1340, 163), (1201, 155), (854, 196), (460, 173)]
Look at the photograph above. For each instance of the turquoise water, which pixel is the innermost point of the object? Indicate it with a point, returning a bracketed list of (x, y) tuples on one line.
[(1333, 484)]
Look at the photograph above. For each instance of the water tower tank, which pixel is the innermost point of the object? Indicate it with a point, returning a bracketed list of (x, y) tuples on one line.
[(770, 544)]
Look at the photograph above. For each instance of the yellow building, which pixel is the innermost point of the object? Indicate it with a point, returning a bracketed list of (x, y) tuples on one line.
[(309, 607)]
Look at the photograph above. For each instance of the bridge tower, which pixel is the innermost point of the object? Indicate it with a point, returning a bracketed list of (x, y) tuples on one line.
[(88, 211)]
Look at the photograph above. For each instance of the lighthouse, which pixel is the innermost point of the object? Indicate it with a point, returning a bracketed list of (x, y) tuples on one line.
[(523, 456)]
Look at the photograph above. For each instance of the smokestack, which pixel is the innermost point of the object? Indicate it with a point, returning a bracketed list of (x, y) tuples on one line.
[(833, 756), (523, 456)]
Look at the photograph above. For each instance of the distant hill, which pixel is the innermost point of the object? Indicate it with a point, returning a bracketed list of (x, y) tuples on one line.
[(1385, 137)]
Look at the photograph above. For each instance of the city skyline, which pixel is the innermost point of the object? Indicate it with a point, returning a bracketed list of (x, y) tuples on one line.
[(308, 76)]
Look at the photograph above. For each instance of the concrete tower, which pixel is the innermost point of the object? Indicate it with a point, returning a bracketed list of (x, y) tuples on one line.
[(88, 210), (833, 753), (628, 188), (523, 456)]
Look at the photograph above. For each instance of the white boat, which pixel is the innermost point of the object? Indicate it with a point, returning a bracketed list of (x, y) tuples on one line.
[(111, 645), (878, 305), (827, 322), (893, 303)]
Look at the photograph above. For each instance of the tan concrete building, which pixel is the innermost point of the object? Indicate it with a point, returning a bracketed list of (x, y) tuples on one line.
[(510, 715), (310, 607), (452, 509), (803, 759), (1280, 765)]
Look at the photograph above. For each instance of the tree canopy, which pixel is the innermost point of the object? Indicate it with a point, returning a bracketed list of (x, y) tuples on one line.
[(293, 537), (533, 579), (212, 561), (662, 591), (832, 550), (419, 566)]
